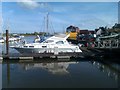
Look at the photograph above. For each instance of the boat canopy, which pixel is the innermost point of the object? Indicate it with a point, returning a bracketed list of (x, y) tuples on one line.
[(110, 36), (62, 36)]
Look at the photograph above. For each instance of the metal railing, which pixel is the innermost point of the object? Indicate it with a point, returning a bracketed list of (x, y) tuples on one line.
[(113, 43)]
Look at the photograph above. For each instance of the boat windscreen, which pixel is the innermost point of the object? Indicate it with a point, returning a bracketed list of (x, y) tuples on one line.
[(48, 41)]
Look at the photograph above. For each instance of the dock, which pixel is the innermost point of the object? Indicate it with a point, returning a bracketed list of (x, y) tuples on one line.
[(18, 56), (37, 56), (87, 52), (107, 47)]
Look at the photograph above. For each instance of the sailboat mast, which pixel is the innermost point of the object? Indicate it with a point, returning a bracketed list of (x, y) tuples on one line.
[(47, 23)]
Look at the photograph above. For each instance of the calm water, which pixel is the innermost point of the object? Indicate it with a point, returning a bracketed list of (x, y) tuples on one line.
[(82, 74), (44, 73)]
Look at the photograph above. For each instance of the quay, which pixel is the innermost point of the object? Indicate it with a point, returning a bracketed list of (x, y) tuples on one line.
[(86, 53), (17, 56), (30, 56)]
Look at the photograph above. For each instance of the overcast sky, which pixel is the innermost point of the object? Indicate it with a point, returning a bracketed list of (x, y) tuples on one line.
[(25, 17)]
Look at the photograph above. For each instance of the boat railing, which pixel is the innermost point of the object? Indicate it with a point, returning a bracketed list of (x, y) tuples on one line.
[(112, 43), (20, 43)]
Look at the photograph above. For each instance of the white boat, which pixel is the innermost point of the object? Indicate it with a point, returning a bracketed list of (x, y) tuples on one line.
[(1, 40), (18, 37), (21, 36), (54, 44), (12, 39)]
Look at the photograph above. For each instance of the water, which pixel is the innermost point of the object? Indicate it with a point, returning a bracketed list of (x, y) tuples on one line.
[(46, 73), (81, 74)]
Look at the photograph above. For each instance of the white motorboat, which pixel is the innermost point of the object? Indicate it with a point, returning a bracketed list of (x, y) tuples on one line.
[(1, 40), (21, 36), (12, 39), (18, 37), (54, 44)]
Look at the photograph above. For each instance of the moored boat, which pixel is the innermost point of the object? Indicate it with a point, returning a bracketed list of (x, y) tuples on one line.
[(1, 40), (54, 44)]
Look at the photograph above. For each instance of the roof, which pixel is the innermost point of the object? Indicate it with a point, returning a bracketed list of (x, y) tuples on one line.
[(62, 35), (84, 32), (92, 32), (110, 36)]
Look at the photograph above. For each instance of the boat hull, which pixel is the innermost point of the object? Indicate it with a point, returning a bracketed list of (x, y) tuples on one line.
[(44, 50), (1, 41)]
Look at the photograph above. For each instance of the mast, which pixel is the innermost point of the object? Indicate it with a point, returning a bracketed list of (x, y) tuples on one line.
[(47, 22), (119, 12), (48, 27)]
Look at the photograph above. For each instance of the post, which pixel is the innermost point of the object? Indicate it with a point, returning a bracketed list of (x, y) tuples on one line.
[(110, 43), (7, 42), (117, 43), (98, 44), (8, 73)]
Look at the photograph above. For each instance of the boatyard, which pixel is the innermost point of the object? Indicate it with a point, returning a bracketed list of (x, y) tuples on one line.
[(97, 52), (44, 45), (99, 46)]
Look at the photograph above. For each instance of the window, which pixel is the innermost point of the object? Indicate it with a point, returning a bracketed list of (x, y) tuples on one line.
[(25, 46), (44, 46), (60, 42), (48, 41), (31, 46)]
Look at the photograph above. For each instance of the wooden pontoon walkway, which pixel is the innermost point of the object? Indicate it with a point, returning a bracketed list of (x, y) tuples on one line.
[(17, 56)]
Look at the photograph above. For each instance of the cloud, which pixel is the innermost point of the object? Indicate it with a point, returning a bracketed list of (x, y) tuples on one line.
[(29, 4), (65, 0), (60, 9)]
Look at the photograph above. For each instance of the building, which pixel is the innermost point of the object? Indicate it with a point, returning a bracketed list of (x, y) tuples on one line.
[(86, 35)]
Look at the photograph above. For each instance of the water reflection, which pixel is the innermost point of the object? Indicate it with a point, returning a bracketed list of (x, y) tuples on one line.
[(77, 71), (8, 73), (53, 67), (112, 69), (3, 47)]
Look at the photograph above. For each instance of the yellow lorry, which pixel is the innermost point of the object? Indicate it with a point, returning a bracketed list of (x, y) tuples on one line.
[(73, 31)]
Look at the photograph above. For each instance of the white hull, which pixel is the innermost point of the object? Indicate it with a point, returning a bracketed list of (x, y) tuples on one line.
[(12, 39), (1, 41), (45, 50)]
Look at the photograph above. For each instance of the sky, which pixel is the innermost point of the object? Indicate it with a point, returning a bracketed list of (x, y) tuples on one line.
[(23, 17)]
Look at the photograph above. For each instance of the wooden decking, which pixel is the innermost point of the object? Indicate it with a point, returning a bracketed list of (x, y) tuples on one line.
[(18, 56), (86, 53)]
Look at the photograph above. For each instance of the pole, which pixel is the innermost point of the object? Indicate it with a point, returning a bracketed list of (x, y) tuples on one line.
[(119, 12), (7, 42), (47, 23), (8, 73)]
